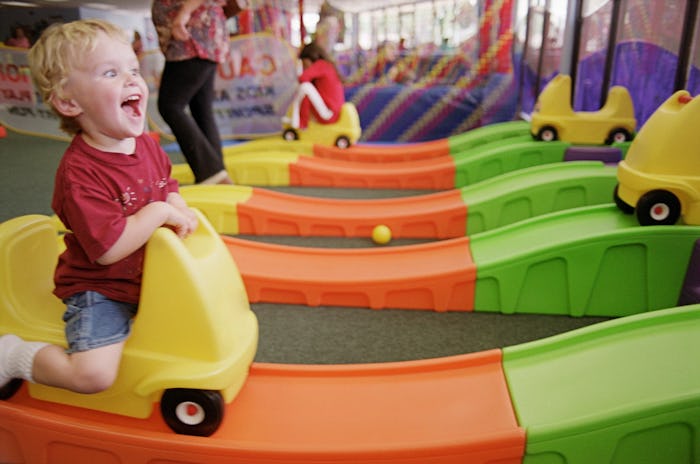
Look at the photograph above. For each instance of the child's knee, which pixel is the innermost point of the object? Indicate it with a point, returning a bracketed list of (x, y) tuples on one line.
[(94, 380), (96, 370)]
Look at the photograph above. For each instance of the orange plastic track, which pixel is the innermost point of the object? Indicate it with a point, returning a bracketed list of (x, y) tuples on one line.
[(436, 215), (436, 276), (432, 174), (441, 411), (385, 153)]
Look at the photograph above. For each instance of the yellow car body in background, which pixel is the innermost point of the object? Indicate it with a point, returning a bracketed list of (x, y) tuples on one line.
[(659, 179), (554, 119), (344, 132), (192, 341)]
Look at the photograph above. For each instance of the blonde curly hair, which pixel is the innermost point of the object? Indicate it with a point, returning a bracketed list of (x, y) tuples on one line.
[(58, 51)]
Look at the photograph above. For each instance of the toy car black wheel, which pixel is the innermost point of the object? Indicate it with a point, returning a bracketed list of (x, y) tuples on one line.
[(547, 134), (618, 135), (290, 135), (622, 206), (8, 390), (342, 142), (192, 412), (658, 207)]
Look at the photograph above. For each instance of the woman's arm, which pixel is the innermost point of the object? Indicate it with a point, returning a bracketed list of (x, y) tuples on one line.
[(179, 25)]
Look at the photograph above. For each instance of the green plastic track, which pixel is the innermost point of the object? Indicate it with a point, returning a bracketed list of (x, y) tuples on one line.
[(622, 392), (590, 261), (485, 134), (503, 156), (535, 191)]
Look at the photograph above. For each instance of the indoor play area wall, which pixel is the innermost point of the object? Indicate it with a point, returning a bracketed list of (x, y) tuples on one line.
[(647, 47), (422, 71)]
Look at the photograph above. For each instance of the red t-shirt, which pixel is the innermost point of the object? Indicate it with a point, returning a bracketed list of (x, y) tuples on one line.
[(93, 195), (324, 77)]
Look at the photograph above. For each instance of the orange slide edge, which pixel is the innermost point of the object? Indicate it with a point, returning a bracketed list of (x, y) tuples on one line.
[(447, 410), (385, 153)]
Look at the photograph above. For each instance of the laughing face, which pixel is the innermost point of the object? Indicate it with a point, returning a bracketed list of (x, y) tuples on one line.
[(107, 95)]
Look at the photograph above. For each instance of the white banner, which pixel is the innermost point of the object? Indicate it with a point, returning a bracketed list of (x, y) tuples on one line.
[(20, 106), (253, 90)]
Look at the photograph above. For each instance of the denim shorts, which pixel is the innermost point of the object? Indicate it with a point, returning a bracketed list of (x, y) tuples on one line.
[(93, 320)]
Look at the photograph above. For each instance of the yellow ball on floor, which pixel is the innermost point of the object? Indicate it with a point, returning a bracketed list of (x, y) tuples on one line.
[(381, 234)]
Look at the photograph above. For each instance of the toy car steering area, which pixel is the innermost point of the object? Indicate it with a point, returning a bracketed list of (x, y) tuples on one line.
[(192, 341)]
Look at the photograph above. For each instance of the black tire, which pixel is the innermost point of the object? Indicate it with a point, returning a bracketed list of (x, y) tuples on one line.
[(624, 207), (658, 207), (547, 134), (618, 135), (192, 412), (342, 142), (290, 135), (8, 390)]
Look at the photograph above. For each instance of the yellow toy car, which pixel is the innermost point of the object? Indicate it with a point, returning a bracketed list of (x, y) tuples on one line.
[(554, 119), (192, 341), (660, 176), (342, 133)]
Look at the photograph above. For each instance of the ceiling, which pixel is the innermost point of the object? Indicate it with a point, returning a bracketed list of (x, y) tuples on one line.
[(145, 5), (131, 5)]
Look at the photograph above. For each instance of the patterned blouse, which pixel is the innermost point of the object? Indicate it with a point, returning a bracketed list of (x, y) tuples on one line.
[(207, 26)]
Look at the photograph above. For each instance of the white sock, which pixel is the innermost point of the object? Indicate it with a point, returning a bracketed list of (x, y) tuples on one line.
[(17, 358), (325, 113)]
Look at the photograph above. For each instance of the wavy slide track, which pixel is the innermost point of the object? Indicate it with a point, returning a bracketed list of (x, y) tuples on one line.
[(367, 152), (485, 205), (446, 410), (439, 173), (623, 391), (572, 262), (382, 153)]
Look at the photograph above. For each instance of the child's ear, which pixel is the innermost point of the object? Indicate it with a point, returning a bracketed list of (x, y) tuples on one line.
[(66, 106)]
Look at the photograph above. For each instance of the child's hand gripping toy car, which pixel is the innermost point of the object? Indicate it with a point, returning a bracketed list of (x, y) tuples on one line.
[(193, 339), (554, 119), (343, 133), (659, 179)]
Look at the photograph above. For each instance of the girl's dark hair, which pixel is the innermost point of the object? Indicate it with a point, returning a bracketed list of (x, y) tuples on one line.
[(314, 52)]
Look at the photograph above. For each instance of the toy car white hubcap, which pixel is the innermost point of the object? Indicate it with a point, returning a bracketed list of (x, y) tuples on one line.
[(190, 413), (659, 211)]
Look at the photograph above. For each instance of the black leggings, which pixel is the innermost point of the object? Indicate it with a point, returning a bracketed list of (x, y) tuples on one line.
[(191, 83)]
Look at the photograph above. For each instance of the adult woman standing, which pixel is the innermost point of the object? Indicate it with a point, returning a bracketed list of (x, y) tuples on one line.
[(193, 37)]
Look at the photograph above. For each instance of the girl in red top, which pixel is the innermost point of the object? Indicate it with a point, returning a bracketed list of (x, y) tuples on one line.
[(320, 89)]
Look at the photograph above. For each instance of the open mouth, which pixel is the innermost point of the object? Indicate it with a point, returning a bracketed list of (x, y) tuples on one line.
[(132, 105)]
